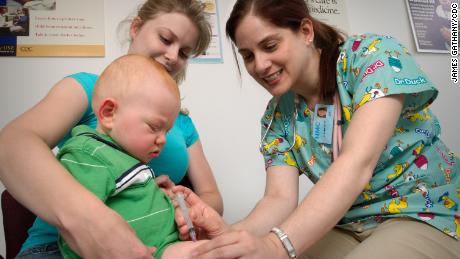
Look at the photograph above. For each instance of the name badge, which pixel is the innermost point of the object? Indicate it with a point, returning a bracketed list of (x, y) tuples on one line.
[(323, 121)]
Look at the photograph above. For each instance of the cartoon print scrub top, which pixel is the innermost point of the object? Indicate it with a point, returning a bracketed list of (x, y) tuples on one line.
[(416, 175)]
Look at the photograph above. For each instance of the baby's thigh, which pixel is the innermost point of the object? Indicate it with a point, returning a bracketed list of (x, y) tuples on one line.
[(181, 249)]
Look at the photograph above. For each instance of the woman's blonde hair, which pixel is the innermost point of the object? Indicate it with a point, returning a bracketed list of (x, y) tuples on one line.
[(193, 9)]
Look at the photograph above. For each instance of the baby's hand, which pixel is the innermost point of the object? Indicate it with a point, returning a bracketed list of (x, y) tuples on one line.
[(165, 184), (206, 221)]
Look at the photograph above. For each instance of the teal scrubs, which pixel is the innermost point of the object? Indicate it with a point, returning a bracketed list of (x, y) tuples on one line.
[(416, 175)]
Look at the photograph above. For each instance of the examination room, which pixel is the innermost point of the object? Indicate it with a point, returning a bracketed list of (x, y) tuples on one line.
[(312, 129)]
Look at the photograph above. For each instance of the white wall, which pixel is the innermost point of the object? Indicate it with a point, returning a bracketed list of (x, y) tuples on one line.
[(226, 113)]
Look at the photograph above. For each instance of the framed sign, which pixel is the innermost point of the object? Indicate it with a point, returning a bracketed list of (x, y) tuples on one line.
[(214, 52), (52, 28), (430, 22)]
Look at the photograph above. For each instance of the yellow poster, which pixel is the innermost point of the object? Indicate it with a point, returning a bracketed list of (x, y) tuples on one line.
[(52, 28), (214, 52)]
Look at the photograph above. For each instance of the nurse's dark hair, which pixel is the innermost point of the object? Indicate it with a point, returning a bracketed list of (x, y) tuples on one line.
[(289, 14)]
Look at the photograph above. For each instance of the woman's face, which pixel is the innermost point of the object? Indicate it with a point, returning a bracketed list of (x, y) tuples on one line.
[(169, 38), (275, 57)]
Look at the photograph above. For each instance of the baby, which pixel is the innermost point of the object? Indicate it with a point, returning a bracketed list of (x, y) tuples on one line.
[(136, 102)]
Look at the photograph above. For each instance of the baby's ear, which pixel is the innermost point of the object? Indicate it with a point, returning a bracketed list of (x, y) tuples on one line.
[(106, 112)]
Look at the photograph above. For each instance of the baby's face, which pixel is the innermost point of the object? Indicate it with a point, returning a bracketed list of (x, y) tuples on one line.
[(141, 122)]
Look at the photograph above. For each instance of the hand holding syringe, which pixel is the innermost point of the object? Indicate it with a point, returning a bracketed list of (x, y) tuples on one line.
[(188, 221)]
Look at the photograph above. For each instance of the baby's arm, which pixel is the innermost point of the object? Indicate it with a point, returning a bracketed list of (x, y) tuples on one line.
[(207, 222)]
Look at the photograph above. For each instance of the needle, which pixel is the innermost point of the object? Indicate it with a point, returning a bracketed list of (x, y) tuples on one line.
[(188, 221)]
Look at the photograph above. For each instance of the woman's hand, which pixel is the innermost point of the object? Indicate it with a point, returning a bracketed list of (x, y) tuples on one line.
[(241, 244), (165, 184), (110, 236), (207, 222)]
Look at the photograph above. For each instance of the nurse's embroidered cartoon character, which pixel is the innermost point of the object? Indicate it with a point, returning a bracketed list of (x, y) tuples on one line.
[(306, 112), (356, 44), (457, 223), (367, 193), (421, 116), (343, 61), (369, 96), (396, 150), (400, 130), (275, 142), (347, 112), (289, 160), (278, 115), (312, 160), (426, 216), (447, 201), (392, 191), (398, 170), (356, 71), (299, 141), (371, 48), (420, 161), (406, 50), (395, 208), (447, 172), (394, 61)]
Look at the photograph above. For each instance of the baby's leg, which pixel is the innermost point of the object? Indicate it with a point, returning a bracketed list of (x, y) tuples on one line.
[(181, 250)]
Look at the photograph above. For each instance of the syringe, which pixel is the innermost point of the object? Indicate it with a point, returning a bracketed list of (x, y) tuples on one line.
[(188, 221)]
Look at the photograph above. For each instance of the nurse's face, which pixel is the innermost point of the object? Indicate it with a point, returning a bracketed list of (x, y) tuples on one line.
[(169, 38), (275, 57)]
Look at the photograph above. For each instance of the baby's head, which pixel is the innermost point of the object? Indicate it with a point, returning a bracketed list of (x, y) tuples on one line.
[(136, 102)]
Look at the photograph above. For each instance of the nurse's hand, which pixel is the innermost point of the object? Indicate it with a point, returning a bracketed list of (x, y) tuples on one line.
[(206, 221), (107, 235), (241, 244)]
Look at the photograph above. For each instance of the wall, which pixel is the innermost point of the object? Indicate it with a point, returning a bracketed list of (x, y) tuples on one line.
[(226, 110)]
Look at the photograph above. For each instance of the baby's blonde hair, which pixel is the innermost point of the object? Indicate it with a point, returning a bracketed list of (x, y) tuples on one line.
[(127, 75)]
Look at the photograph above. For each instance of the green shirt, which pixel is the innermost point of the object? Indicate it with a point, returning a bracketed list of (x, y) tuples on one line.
[(123, 183), (416, 176)]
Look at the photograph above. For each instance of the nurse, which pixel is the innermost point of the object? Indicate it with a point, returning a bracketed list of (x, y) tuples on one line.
[(393, 189)]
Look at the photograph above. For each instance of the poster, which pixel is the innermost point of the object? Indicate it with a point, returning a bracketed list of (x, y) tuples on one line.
[(52, 28), (214, 52), (332, 12), (430, 22)]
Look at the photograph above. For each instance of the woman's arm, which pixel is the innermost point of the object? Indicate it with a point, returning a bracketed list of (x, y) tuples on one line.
[(370, 129), (202, 179), (32, 174), (28, 168), (279, 200)]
